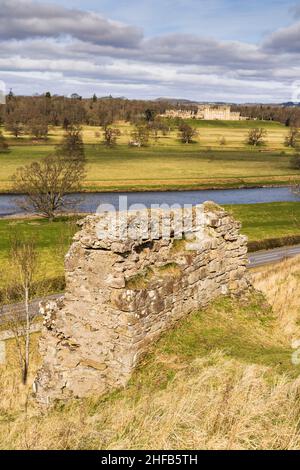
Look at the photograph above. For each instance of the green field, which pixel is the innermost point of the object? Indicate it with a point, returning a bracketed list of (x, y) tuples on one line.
[(269, 125), (259, 222), (52, 242), (271, 220), (167, 163)]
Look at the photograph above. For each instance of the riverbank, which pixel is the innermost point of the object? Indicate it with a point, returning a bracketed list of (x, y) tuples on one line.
[(182, 186), (178, 186), (200, 185)]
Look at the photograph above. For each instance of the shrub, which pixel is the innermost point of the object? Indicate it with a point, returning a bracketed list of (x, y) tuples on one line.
[(295, 162), (256, 136)]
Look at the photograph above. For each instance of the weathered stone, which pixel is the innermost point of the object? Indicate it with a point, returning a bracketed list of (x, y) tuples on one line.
[(93, 364), (115, 282), (93, 339)]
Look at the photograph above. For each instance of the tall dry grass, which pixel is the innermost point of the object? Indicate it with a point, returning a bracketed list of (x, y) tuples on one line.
[(280, 283), (211, 401), (215, 403)]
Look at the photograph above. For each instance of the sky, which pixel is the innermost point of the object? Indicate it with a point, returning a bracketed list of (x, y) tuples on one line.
[(203, 50)]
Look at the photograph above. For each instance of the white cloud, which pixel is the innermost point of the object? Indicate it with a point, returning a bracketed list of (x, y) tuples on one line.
[(285, 40), (61, 49), (21, 19)]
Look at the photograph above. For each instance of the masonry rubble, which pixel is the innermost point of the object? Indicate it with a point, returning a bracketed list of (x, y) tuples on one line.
[(121, 294)]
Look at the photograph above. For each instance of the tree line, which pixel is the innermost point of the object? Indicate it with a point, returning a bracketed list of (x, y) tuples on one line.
[(34, 114), (287, 115)]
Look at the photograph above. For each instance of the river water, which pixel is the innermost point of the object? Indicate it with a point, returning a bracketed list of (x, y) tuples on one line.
[(89, 202)]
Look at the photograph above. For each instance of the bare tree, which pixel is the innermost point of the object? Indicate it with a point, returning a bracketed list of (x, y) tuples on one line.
[(48, 184), (257, 136), (110, 136), (14, 125), (140, 136), (295, 165), (157, 126), (186, 133), (72, 146), (38, 128), (291, 140), (23, 255), (3, 143)]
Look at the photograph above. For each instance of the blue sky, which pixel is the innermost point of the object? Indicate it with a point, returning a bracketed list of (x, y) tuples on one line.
[(213, 50), (246, 20)]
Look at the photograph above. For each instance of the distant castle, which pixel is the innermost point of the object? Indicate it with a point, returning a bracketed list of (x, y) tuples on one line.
[(206, 112)]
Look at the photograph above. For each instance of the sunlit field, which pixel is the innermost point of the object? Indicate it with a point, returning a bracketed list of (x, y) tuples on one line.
[(167, 163)]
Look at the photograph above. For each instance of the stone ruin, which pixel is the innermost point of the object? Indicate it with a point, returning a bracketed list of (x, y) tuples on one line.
[(121, 294)]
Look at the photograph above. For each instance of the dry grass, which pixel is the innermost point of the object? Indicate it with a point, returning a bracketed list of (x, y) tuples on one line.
[(214, 403), (216, 382), (280, 284), (15, 396)]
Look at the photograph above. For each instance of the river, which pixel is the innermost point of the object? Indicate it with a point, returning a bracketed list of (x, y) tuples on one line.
[(88, 202)]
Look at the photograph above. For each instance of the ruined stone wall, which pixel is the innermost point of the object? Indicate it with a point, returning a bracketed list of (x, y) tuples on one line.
[(121, 295)]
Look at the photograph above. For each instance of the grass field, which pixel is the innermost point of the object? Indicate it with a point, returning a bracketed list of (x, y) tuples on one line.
[(271, 220), (169, 164), (222, 379), (269, 125), (259, 222), (52, 242)]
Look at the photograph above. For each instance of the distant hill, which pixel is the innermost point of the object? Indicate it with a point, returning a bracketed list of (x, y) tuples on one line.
[(185, 102), (179, 101), (290, 104)]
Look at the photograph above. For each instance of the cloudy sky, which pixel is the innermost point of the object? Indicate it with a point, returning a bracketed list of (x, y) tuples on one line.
[(210, 50)]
